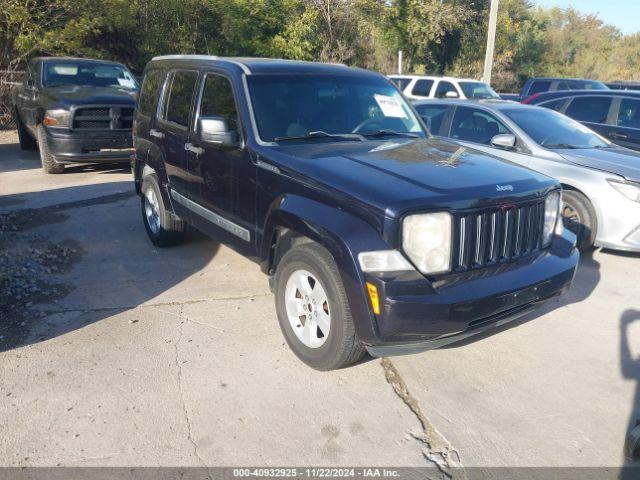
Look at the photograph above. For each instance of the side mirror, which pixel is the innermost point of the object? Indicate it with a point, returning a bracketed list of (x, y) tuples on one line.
[(215, 130), (505, 140), (451, 94)]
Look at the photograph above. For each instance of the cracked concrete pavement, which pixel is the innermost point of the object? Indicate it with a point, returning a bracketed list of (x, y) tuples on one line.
[(174, 357)]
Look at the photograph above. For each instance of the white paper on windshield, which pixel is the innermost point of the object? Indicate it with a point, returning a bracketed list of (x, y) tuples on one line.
[(390, 106), (126, 82)]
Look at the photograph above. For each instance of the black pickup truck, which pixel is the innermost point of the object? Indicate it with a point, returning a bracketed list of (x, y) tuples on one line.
[(75, 111), (374, 234)]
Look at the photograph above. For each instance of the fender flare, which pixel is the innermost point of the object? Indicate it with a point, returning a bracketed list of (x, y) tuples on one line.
[(341, 233)]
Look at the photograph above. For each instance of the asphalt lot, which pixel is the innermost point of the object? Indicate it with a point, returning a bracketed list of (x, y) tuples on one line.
[(136, 355)]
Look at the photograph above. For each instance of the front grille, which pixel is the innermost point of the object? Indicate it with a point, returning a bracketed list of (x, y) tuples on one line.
[(498, 234), (103, 118)]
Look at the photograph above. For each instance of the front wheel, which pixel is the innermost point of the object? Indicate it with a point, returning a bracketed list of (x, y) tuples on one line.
[(49, 164), (313, 309), (163, 227), (579, 217)]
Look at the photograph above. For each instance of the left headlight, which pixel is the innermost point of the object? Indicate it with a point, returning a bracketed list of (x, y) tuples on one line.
[(629, 190), (426, 239), (551, 216), (57, 118)]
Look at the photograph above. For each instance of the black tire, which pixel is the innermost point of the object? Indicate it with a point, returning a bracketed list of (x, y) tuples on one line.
[(580, 218), (27, 142), (171, 228), (342, 346), (49, 164)]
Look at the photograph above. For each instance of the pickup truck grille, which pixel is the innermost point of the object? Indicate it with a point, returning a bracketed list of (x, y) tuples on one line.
[(494, 235), (103, 118)]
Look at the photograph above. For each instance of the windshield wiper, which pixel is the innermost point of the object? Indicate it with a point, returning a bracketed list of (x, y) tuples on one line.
[(384, 132), (562, 145), (321, 134)]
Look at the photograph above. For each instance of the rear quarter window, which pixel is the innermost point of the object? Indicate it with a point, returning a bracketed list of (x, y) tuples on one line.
[(150, 92)]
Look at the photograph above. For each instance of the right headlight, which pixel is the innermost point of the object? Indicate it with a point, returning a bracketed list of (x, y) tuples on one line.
[(551, 215), (426, 239), (629, 190)]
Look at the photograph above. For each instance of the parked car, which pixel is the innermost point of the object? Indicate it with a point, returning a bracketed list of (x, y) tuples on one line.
[(538, 85), (614, 114), (374, 235), (601, 181), (76, 111), (421, 87)]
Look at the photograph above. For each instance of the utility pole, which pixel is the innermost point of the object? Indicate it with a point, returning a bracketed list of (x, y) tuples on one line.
[(491, 38), (399, 62)]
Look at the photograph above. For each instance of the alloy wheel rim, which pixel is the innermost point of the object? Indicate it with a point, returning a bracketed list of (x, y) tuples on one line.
[(151, 210), (571, 218), (307, 308)]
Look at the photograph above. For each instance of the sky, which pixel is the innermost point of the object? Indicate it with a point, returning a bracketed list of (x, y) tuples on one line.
[(624, 14)]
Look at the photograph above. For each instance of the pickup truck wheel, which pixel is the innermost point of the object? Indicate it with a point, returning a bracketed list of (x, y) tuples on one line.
[(49, 164), (313, 310), (27, 142), (579, 217), (163, 227)]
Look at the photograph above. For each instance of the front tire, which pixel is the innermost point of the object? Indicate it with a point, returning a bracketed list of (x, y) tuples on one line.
[(49, 164), (27, 142), (163, 227), (579, 217), (313, 309)]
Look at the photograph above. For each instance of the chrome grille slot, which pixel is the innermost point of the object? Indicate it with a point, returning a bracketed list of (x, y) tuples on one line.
[(497, 234)]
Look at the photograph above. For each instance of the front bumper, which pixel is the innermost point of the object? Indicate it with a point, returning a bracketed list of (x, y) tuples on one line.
[(90, 147), (618, 222), (418, 314)]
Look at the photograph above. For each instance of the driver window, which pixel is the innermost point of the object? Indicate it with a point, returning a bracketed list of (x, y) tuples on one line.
[(476, 126), (218, 101)]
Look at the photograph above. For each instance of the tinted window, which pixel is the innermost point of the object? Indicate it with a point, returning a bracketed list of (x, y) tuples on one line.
[(401, 82), (589, 109), (443, 88), (477, 90), (476, 126), (554, 104), (629, 114), (178, 104), (150, 92), (539, 86), (288, 106), (422, 88), (554, 130), (218, 101), (433, 116)]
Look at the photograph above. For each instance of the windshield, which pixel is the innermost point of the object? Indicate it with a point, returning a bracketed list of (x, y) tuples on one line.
[(553, 130), (477, 90), (330, 107), (90, 74)]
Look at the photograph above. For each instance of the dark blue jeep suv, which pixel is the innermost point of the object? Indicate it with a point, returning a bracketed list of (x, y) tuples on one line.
[(375, 235)]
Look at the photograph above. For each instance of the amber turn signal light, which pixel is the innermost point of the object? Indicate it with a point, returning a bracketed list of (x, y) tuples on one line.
[(374, 298)]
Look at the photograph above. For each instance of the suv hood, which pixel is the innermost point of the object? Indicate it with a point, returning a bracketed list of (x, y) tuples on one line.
[(68, 96), (619, 161), (414, 173)]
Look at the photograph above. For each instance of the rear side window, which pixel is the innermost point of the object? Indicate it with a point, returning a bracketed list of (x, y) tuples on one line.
[(422, 88), (444, 88), (433, 116), (401, 82), (589, 109), (218, 101), (476, 126), (629, 114), (150, 92), (180, 97), (539, 86)]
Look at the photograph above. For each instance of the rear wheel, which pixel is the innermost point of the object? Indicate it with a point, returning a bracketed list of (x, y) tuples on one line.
[(27, 142), (313, 309), (579, 217), (49, 164), (163, 227)]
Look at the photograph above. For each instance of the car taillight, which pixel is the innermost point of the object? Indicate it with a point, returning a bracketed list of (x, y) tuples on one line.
[(530, 98)]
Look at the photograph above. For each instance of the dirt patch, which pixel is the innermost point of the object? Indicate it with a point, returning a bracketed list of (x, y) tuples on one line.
[(26, 279)]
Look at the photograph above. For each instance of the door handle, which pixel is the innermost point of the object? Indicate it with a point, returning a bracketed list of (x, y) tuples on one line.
[(190, 147), (155, 133), (621, 136)]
